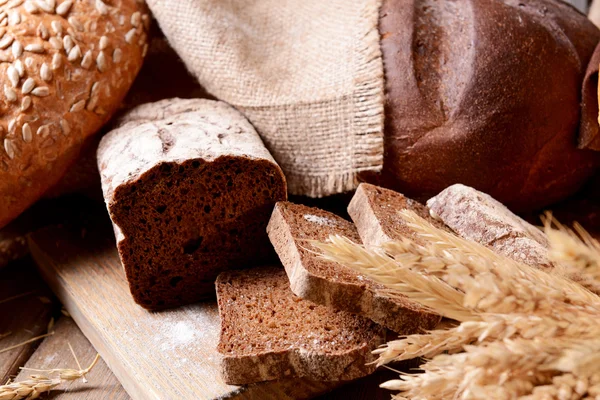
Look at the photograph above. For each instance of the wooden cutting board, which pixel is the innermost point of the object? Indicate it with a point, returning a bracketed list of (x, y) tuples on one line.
[(155, 355)]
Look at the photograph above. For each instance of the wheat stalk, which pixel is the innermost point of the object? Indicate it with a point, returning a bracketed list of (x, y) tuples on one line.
[(524, 333), (36, 385)]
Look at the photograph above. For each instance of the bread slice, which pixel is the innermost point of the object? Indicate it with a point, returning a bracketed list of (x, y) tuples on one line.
[(190, 188), (268, 333), (374, 211), (329, 283)]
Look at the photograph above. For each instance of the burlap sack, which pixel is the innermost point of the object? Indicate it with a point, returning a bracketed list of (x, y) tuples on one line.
[(307, 73)]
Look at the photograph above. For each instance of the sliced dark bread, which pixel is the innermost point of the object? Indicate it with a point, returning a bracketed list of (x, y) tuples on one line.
[(375, 212), (291, 228), (268, 333)]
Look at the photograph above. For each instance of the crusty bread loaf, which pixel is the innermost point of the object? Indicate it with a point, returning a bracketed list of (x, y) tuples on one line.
[(291, 228), (268, 333), (375, 213), (487, 93), (189, 187), (477, 216), (66, 66)]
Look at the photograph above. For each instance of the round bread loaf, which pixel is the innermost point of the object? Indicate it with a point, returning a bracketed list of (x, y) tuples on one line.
[(486, 93), (65, 66)]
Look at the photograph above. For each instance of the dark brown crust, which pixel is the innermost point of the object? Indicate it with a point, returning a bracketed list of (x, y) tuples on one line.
[(343, 361), (485, 93), (589, 131), (332, 284)]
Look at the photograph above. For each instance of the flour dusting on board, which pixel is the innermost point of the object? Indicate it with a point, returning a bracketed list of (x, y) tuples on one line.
[(315, 219)]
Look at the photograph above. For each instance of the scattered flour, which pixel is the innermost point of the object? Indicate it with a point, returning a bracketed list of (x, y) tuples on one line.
[(315, 219)]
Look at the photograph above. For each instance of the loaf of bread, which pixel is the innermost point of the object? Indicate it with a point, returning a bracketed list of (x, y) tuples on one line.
[(189, 187), (486, 93), (477, 216), (292, 227), (268, 333), (66, 66), (375, 213)]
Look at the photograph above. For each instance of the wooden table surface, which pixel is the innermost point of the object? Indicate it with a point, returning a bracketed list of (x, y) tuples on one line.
[(27, 307)]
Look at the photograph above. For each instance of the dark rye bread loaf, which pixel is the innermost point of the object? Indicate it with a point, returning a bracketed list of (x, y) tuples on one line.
[(477, 216), (487, 93), (268, 333), (189, 187), (291, 228), (375, 213)]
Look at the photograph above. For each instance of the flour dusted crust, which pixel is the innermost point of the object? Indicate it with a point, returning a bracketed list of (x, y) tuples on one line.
[(189, 187), (477, 216), (65, 67), (292, 227)]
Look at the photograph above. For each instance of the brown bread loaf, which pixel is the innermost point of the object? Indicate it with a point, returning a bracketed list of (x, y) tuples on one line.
[(268, 333), (290, 230), (66, 66), (477, 216), (375, 213), (487, 93), (189, 187)]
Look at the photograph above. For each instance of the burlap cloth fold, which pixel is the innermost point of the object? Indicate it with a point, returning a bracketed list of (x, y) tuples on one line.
[(308, 74)]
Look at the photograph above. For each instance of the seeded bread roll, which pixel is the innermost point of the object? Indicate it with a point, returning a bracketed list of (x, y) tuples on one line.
[(189, 187), (65, 67), (292, 227), (268, 333)]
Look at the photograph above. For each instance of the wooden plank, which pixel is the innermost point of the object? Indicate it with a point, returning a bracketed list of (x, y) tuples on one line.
[(159, 355), (54, 352), (26, 307)]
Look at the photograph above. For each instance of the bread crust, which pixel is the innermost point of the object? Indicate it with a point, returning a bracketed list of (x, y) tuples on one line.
[(66, 66), (486, 93), (348, 291)]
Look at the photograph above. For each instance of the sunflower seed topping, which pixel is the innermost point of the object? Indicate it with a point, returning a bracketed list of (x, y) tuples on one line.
[(10, 93), (43, 131), (64, 7), (87, 60), (65, 127), (19, 67), (9, 147), (79, 106), (45, 72), (74, 54), (13, 76), (102, 62), (28, 86), (117, 56), (26, 133), (25, 103), (56, 61), (41, 91), (34, 48), (17, 49), (103, 43), (101, 7), (6, 41)]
